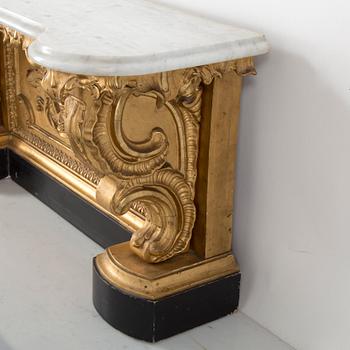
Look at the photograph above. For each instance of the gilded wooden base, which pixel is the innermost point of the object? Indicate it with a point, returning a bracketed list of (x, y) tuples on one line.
[(155, 153), (125, 270), (193, 292)]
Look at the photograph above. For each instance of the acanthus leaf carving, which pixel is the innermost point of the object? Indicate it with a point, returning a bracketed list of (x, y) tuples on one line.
[(140, 170), (165, 200), (132, 175), (143, 180)]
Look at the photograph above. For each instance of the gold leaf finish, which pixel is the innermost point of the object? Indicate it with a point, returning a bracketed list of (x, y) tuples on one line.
[(165, 201), (147, 147)]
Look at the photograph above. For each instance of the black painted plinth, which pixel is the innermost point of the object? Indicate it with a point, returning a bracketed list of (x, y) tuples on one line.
[(149, 320), (3, 163), (95, 224), (153, 320)]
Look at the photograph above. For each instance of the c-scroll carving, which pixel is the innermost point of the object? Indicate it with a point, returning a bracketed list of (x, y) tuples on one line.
[(88, 111), (165, 200), (125, 157)]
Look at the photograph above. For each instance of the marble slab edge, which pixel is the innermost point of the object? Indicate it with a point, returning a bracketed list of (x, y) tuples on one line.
[(114, 65)]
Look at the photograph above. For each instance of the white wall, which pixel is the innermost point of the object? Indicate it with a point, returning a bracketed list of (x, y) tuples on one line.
[(292, 218)]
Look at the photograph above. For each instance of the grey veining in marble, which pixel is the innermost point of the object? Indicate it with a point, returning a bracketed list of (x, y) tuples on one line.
[(123, 37)]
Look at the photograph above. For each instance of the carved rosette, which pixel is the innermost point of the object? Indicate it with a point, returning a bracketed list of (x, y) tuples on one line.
[(133, 175)]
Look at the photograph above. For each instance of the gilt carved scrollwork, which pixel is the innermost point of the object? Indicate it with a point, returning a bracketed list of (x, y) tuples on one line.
[(143, 179), (165, 200), (88, 113), (137, 175)]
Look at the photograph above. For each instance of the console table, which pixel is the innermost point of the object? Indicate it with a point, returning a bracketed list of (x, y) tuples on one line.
[(122, 116)]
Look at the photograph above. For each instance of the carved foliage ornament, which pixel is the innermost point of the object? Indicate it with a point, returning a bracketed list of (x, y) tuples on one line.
[(88, 112), (141, 175)]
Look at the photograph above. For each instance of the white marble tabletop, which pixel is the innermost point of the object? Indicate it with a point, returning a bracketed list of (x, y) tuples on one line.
[(123, 37)]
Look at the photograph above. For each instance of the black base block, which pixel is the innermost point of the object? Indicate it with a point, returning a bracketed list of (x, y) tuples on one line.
[(153, 320), (149, 320), (3, 163), (95, 224)]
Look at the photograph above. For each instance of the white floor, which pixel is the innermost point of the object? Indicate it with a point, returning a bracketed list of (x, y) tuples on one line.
[(45, 290)]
